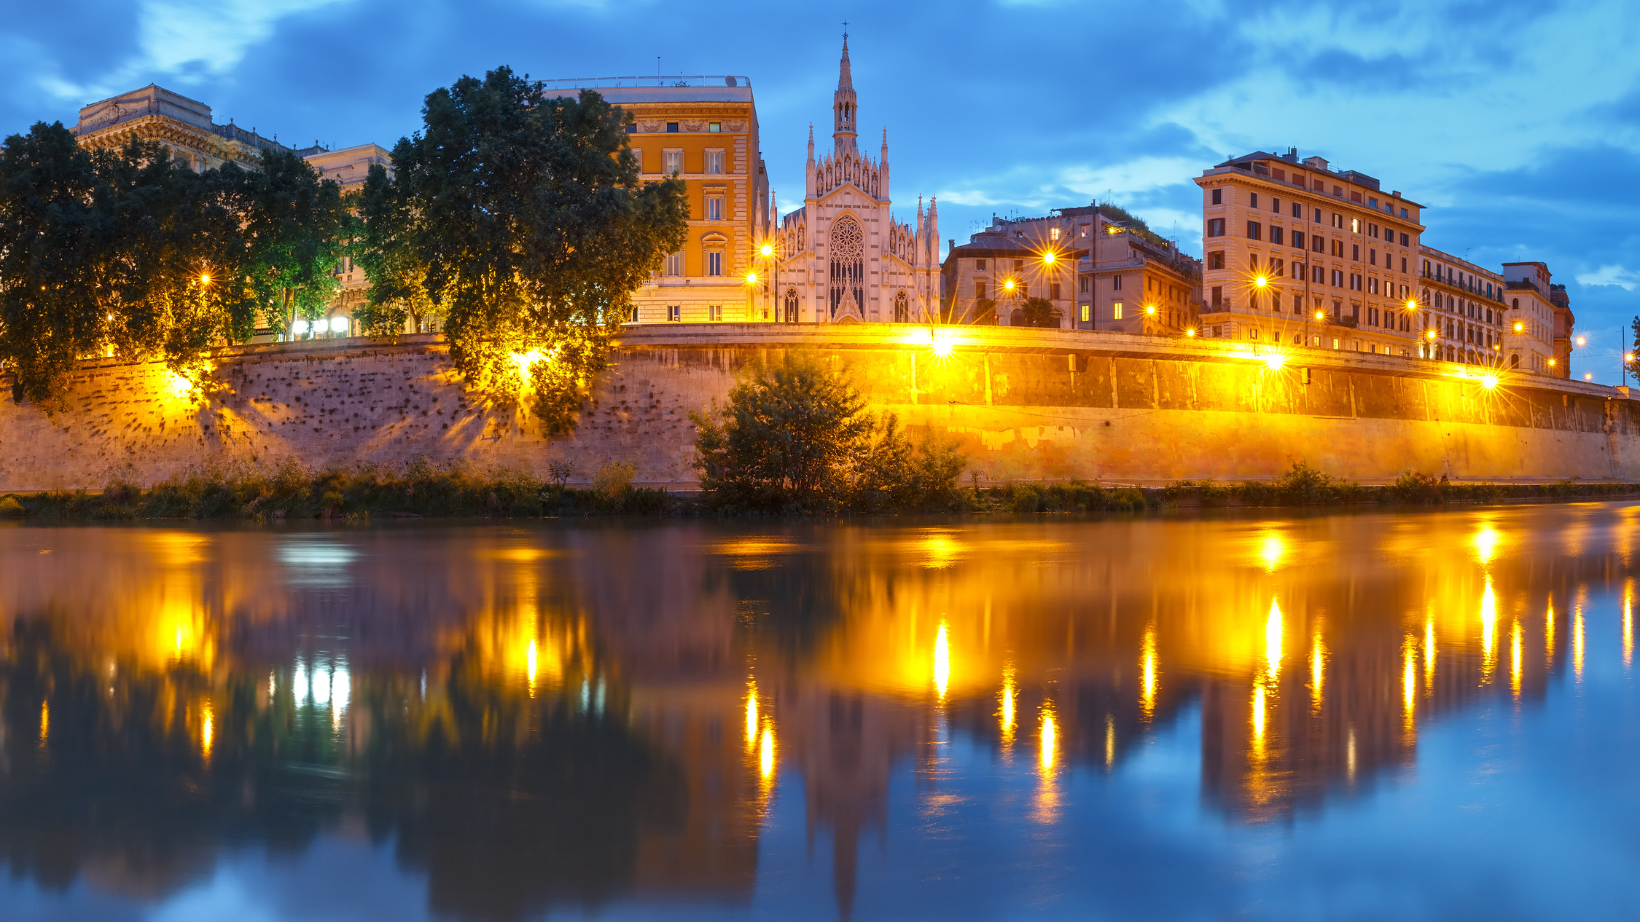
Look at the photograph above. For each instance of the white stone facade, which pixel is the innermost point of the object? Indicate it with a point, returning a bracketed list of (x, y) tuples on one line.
[(842, 257)]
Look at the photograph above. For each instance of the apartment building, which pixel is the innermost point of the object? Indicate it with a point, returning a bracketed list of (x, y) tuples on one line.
[(1104, 274), (1298, 253), (704, 131), (1461, 308), (1529, 326), (1565, 322)]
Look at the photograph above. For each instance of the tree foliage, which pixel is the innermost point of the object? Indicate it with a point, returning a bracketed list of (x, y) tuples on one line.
[(522, 217), (1039, 312), (132, 253), (797, 438)]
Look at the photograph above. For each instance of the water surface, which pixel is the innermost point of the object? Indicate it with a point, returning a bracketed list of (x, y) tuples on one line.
[(1411, 716)]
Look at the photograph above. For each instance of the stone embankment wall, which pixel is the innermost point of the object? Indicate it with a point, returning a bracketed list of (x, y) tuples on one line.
[(1025, 404)]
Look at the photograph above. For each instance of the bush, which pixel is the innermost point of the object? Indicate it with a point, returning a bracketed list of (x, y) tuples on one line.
[(796, 438), (614, 480), (10, 508), (1413, 487)]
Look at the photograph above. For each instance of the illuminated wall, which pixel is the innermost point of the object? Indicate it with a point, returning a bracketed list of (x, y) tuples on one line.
[(1025, 404)]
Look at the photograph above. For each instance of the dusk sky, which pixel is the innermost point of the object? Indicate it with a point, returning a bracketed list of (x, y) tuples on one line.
[(1518, 123)]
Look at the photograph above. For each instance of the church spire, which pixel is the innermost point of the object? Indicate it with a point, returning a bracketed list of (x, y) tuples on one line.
[(843, 104)]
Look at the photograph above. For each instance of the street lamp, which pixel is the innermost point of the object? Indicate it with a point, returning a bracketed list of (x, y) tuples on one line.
[(767, 252)]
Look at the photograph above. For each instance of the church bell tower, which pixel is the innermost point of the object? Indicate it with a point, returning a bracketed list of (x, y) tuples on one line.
[(843, 111)]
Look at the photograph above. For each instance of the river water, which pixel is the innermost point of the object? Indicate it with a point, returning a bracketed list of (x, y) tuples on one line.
[(1426, 715)]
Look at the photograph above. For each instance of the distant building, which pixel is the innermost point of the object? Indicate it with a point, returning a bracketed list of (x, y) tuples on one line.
[(704, 131), (1529, 327), (1105, 274), (1565, 322), (1298, 253), (182, 125), (1462, 305)]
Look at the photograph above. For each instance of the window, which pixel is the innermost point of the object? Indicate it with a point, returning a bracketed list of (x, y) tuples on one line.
[(1298, 211), (1355, 281), (674, 264), (1116, 283), (1318, 216), (1403, 264), (1337, 220), (672, 162), (1355, 225), (1255, 200), (1053, 291), (715, 127), (1298, 239), (637, 157), (714, 263), (714, 313), (1215, 227), (1298, 271), (1087, 312), (979, 289), (1372, 258), (1337, 278), (1116, 310), (1316, 276), (674, 312), (1082, 283), (1218, 297), (1404, 239), (714, 208), (1318, 243), (1275, 205), (1019, 265), (1355, 252), (1053, 233), (672, 127), (714, 161), (1218, 196), (1275, 235), (1403, 214), (1253, 230), (1277, 267), (1338, 248), (1372, 229), (1215, 259), (979, 264), (633, 316), (1372, 286)]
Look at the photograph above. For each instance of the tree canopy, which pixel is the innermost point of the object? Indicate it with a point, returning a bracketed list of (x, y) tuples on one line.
[(522, 219)]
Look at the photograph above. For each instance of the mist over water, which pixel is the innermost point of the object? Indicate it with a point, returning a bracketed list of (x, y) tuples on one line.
[(1426, 715)]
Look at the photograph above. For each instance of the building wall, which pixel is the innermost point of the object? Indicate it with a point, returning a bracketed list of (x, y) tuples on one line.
[(1529, 333), (1463, 305), (1025, 404), (1360, 275)]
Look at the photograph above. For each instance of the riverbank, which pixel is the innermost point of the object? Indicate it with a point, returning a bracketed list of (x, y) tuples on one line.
[(425, 490)]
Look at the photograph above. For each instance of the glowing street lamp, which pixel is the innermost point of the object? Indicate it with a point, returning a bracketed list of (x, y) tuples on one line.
[(1048, 258), (1519, 326), (1489, 381), (1261, 282), (1008, 285)]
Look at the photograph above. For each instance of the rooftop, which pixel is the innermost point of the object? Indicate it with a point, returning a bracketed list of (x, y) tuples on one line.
[(1256, 163), (653, 89)]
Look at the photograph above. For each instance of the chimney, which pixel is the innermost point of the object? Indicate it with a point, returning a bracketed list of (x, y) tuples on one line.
[(1292, 155), (1318, 163)]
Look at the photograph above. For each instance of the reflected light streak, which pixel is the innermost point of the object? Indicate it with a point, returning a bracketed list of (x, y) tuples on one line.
[(765, 755), (1514, 660), (1006, 717), (1486, 543), (1272, 640), (1577, 642), (1272, 551), (1549, 630), (1628, 623), (1429, 652), (1409, 675), (45, 721), (1318, 669), (1147, 693), (206, 734), (1349, 755), (1110, 740), (751, 715), (530, 664), (1258, 720), (942, 661), (1489, 619), (1047, 798), (1050, 739)]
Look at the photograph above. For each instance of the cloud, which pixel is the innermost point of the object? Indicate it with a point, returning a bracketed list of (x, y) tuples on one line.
[(1627, 279)]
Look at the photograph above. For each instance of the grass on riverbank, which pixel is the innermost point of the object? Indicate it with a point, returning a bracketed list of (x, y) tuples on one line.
[(291, 491)]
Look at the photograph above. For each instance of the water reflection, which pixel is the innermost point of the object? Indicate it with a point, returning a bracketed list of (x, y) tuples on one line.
[(531, 718)]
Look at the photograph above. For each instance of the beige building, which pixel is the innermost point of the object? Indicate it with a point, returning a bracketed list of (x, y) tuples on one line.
[(1529, 326), (1565, 324), (1461, 308), (1299, 253), (702, 130), (1103, 274)]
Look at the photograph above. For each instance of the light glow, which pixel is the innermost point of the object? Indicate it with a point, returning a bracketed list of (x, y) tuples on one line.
[(1272, 641), (207, 734), (1048, 257), (1519, 326), (942, 660), (1190, 332), (768, 250), (1489, 381), (765, 755), (1412, 305), (751, 278), (1050, 739), (1321, 315), (1147, 668), (1274, 360), (1006, 715)]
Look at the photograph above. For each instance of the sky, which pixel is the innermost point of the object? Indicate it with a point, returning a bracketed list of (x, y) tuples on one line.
[(1516, 121)]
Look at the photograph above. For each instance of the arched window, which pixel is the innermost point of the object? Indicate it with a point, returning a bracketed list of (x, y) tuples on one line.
[(1514, 360), (902, 308), (1514, 303), (848, 251), (791, 305)]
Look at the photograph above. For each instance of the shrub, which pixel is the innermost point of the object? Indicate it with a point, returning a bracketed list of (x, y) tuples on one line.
[(614, 480), (10, 508), (1413, 487)]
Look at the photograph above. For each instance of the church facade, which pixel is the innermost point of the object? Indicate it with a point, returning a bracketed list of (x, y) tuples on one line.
[(842, 257)]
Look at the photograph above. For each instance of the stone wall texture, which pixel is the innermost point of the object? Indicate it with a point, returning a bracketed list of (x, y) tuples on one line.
[(1025, 404)]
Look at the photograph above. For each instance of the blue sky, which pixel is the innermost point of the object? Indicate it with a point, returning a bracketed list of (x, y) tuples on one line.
[(1517, 122)]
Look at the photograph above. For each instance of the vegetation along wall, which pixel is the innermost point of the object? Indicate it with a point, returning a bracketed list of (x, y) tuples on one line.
[(1025, 404)]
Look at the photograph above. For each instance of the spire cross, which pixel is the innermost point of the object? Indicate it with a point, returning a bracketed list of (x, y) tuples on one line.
[(845, 30)]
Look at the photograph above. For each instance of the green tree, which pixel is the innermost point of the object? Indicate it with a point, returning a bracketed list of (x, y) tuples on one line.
[(1039, 312), (797, 438), (297, 228), (526, 213), (1632, 360), (384, 250), (51, 234)]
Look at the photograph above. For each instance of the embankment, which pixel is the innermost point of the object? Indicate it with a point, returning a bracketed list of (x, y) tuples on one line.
[(1026, 404)]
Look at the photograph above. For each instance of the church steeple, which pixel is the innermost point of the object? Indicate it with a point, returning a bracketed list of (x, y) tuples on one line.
[(843, 105)]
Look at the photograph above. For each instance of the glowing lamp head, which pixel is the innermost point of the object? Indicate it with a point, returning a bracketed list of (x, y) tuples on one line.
[(1048, 257), (768, 250), (1628, 356), (1190, 332), (1412, 305), (1519, 326), (1150, 309), (751, 278), (1320, 315), (1275, 360), (1588, 376), (204, 280), (1261, 281), (1008, 285), (1580, 340), (1429, 334), (1551, 363), (1489, 381)]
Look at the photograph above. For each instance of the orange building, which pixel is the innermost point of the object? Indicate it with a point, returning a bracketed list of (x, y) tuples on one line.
[(704, 131)]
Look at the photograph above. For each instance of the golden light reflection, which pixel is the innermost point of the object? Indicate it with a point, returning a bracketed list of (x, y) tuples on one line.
[(1272, 550), (1349, 755), (751, 715), (940, 550), (1549, 630), (531, 662), (1429, 651), (1486, 543), (207, 735), (45, 721), (1577, 641), (1409, 676), (1110, 740), (1050, 739), (1489, 621), (765, 755), (1318, 669), (1514, 660), (1272, 641), (1628, 623), (1258, 721), (942, 660), (1006, 712), (1147, 666)]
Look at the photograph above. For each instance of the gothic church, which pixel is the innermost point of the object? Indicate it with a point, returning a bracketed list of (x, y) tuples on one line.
[(843, 257)]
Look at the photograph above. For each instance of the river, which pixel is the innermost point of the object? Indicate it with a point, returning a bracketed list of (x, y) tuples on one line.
[(1426, 715)]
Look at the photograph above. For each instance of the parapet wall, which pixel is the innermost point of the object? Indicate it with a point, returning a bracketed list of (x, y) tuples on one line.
[(1026, 404)]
